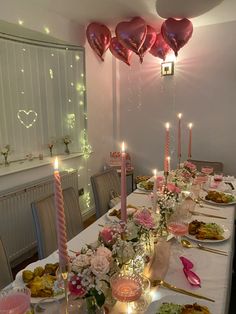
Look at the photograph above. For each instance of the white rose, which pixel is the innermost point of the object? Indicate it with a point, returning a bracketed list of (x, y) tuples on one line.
[(104, 252), (100, 266), (131, 230), (81, 261)]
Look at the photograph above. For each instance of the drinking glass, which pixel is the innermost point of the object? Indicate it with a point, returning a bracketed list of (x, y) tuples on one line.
[(177, 225), (47, 306), (15, 300)]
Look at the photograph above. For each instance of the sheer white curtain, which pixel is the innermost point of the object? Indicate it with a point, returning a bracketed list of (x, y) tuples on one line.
[(42, 98)]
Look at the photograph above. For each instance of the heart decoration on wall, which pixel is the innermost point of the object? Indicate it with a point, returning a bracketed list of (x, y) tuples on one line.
[(27, 118)]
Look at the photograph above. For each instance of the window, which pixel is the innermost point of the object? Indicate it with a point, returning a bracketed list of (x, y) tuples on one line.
[(42, 97)]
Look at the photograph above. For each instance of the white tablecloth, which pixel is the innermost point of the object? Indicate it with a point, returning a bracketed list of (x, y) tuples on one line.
[(214, 270)]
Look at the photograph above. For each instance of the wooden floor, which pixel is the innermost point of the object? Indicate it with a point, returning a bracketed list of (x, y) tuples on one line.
[(34, 258)]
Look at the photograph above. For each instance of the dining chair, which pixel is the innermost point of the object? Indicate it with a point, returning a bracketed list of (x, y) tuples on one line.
[(44, 215), (6, 274), (216, 165), (104, 184)]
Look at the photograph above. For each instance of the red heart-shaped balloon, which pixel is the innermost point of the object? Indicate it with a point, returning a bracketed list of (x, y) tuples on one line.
[(148, 42), (120, 51), (160, 48), (177, 33), (99, 37), (132, 34)]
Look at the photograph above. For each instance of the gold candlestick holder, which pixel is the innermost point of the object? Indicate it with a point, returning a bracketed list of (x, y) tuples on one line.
[(166, 173), (179, 161), (64, 270)]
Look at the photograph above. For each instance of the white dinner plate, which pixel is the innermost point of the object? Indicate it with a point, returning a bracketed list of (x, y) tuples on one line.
[(19, 281), (203, 195), (179, 299), (226, 233), (130, 211)]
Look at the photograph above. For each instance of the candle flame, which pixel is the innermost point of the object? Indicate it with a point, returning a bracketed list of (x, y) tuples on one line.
[(56, 164), (167, 125), (190, 125), (179, 115), (123, 147), (155, 172), (168, 158)]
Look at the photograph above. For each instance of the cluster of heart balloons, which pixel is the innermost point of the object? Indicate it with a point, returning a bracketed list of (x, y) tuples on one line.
[(138, 37)]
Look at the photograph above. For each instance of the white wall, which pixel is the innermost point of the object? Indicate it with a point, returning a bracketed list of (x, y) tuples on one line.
[(99, 82), (203, 89)]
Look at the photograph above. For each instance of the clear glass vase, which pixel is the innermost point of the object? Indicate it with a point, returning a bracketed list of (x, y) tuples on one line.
[(90, 306), (67, 151)]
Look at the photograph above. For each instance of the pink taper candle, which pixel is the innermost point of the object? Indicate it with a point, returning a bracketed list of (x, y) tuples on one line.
[(167, 146), (190, 141), (60, 219), (123, 185), (179, 136), (155, 189)]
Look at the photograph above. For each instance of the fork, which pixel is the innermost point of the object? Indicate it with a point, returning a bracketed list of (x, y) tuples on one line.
[(180, 290)]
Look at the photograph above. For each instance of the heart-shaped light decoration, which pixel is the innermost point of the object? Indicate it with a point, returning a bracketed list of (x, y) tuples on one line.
[(176, 33), (132, 34), (27, 118)]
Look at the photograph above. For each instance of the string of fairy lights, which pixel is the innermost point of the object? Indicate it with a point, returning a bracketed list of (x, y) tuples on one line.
[(28, 116)]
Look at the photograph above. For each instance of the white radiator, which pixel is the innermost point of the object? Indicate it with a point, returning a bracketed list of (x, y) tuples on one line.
[(16, 222)]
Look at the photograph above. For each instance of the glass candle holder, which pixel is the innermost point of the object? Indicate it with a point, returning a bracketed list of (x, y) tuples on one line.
[(126, 288)]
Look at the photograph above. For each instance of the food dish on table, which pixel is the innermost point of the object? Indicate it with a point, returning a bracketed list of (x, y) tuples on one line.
[(180, 304), (114, 214), (206, 231), (146, 186), (220, 198), (41, 280), (174, 308)]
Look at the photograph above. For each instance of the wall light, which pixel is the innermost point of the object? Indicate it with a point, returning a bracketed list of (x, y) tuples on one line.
[(167, 68)]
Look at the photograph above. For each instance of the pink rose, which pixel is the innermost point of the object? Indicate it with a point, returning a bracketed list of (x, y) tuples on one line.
[(173, 188), (100, 266), (75, 286), (190, 166), (144, 219), (108, 235), (104, 252)]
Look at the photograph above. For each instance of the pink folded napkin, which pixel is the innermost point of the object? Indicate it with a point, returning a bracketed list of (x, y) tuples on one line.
[(192, 277), (159, 263)]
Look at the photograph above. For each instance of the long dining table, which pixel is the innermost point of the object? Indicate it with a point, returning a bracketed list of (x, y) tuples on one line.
[(214, 270)]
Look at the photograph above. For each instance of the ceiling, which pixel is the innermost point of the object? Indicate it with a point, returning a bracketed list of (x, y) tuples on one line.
[(110, 12)]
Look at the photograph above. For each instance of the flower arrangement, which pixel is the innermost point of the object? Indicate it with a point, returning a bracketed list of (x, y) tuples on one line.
[(5, 151), (51, 144), (91, 270), (166, 201), (67, 141)]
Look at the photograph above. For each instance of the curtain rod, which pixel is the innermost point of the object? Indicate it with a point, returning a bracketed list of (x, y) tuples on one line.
[(36, 42)]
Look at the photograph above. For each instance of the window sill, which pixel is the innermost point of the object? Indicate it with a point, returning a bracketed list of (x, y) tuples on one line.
[(22, 165)]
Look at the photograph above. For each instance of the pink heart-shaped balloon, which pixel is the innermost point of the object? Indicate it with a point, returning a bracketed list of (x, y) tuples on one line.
[(120, 51), (176, 33), (148, 42), (99, 37), (132, 34), (160, 48)]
